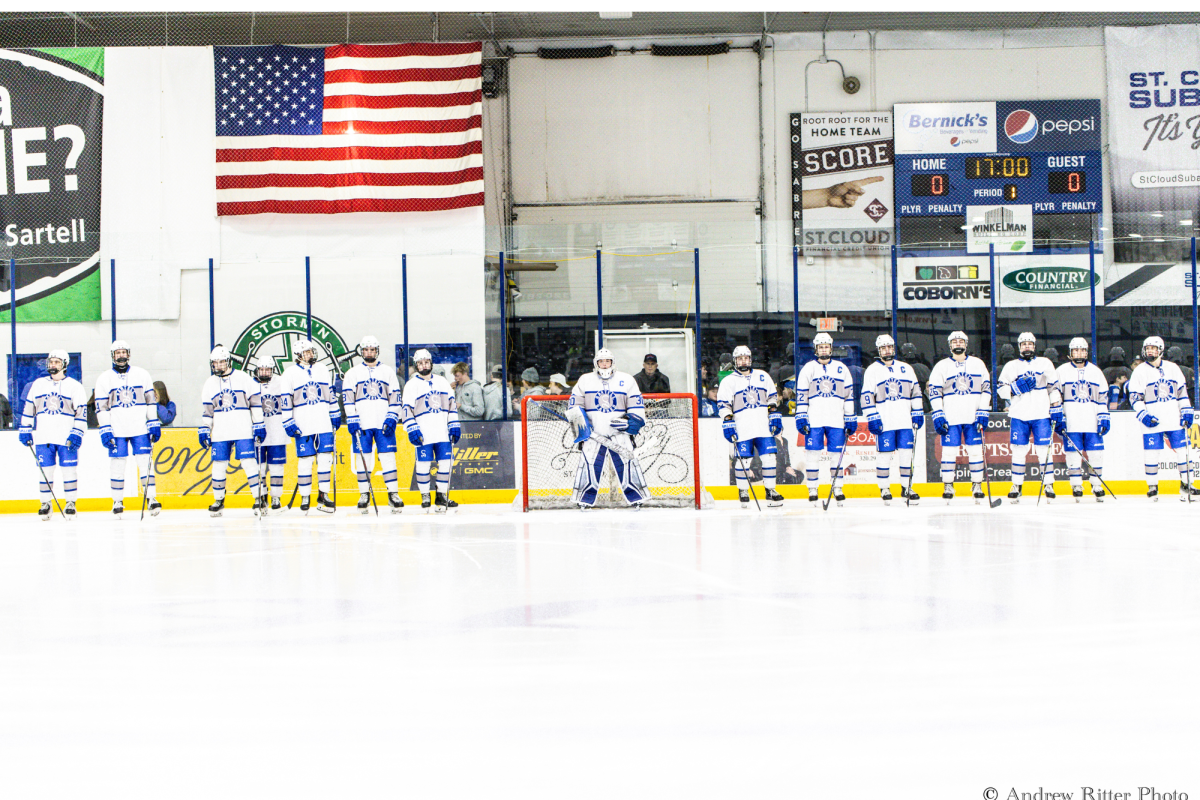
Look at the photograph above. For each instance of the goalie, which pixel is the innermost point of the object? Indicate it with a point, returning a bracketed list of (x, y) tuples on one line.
[(606, 411)]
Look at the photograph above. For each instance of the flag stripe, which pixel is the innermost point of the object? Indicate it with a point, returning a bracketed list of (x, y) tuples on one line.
[(393, 114), (340, 166), (401, 75), (403, 126), (268, 154), (355, 141), (346, 192), (348, 206), (391, 89), (342, 101), (402, 50), (350, 179)]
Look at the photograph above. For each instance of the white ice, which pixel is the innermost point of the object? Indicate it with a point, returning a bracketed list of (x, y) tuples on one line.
[(863, 652)]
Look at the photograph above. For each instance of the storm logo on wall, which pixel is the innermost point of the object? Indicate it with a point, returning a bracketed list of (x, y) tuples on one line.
[(272, 339), (51, 118)]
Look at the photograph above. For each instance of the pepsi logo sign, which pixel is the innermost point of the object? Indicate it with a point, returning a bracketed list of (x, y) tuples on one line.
[(1021, 126)]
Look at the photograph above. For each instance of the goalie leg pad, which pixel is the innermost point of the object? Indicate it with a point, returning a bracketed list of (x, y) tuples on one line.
[(591, 470), (630, 476)]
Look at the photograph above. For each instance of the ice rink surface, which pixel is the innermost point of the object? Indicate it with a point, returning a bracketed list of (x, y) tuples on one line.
[(929, 652)]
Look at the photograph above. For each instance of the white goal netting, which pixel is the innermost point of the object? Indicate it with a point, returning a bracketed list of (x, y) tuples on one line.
[(666, 450)]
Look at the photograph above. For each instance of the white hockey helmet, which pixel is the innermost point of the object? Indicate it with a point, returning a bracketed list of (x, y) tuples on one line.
[(956, 335), (303, 346), (220, 353), (264, 371), (119, 344), (1026, 338), (884, 340), (366, 343), (1078, 343), (604, 354), (739, 352), (823, 340), (1153, 341), (61, 355), (422, 355)]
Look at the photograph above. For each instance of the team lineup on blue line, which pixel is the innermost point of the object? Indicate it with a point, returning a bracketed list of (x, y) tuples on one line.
[(253, 416)]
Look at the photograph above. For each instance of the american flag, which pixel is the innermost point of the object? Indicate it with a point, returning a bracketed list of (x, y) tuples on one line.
[(304, 130)]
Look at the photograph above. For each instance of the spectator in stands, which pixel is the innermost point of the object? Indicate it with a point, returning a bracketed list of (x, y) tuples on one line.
[(558, 384), (1052, 354), (495, 395), (726, 361), (166, 408), (6, 415), (1007, 354), (650, 380), (530, 385), (1118, 395), (1116, 366), (708, 406), (92, 422), (467, 393), (1175, 354)]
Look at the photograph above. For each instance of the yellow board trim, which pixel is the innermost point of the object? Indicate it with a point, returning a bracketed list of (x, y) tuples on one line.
[(345, 500)]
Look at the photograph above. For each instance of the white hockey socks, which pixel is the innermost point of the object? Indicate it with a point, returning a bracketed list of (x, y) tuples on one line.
[(250, 466), (949, 455), (116, 479), (443, 475), (363, 464), (975, 457), (768, 470), (143, 465), (1043, 457), (70, 476), (883, 471), (219, 468), (44, 483), (1185, 469), (423, 476), (906, 459), (324, 470), (275, 471), (740, 478), (387, 464), (1019, 453), (304, 469)]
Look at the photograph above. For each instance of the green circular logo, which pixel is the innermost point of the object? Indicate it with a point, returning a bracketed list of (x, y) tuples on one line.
[(272, 339)]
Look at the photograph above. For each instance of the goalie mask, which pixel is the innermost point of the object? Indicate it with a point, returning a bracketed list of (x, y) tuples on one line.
[(120, 355), (303, 348), (219, 361), (1155, 343), (1026, 345), (423, 361), (604, 370), (742, 360), (368, 348), (1078, 351), (62, 357), (823, 347), (958, 343), (885, 346)]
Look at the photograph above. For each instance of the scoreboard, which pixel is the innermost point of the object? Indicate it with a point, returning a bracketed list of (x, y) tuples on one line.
[(1034, 157)]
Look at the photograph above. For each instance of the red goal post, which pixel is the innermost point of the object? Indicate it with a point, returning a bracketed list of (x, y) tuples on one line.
[(667, 449)]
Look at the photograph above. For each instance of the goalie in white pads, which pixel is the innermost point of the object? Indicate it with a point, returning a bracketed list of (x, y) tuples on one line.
[(371, 395), (960, 392), (747, 403), (127, 410), (52, 423), (231, 423), (431, 420), (1085, 404), (1158, 393), (607, 411), (310, 417), (824, 412), (1030, 384), (272, 453), (891, 400)]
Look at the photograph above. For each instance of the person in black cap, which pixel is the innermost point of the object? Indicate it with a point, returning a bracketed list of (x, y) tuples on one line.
[(650, 380)]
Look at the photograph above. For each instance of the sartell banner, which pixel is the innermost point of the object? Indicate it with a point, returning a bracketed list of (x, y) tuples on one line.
[(842, 181), (1154, 129), (51, 117)]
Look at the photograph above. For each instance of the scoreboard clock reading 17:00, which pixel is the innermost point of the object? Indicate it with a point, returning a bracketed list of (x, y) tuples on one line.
[(1043, 154)]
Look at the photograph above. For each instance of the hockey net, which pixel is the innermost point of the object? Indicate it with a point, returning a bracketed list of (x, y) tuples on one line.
[(667, 449)]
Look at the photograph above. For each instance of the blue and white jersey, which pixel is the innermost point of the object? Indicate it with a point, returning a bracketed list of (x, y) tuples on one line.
[(1084, 394), (53, 409), (960, 388), (429, 404), (825, 392), (1034, 404), (891, 394), (308, 399), (1161, 392), (271, 395), (125, 402), (232, 405), (746, 397), (371, 395), (604, 399)]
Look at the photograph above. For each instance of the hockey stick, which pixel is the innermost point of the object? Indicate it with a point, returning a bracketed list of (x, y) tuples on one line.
[(47, 481), (987, 479), (833, 478), (363, 458), (146, 480), (745, 473), (1187, 443), (296, 488), (1092, 470)]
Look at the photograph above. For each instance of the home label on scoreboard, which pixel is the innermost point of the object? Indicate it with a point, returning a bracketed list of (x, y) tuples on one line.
[(1041, 155)]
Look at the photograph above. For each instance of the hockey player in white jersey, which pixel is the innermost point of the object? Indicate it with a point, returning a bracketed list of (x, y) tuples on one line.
[(52, 423), (371, 395), (127, 410), (272, 452), (607, 411), (311, 416), (431, 420), (1030, 383), (1158, 393), (231, 422), (824, 412), (960, 393), (747, 403), (892, 403), (1085, 405)]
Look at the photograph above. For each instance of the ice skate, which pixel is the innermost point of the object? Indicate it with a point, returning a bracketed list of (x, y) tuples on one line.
[(44, 512), (276, 505), (839, 498), (744, 498), (774, 499), (260, 506), (912, 497), (118, 509), (947, 492), (886, 496), (1049, 492), (304, 503), (395, 502), (69, 510), (217, 508), (1099, 494), (812, 496), (1077, 493), (364, 503), (325, 503), (155, 506), (1152, 493), (443, 503), (1014, 495), (425, 503), (977, 493)]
